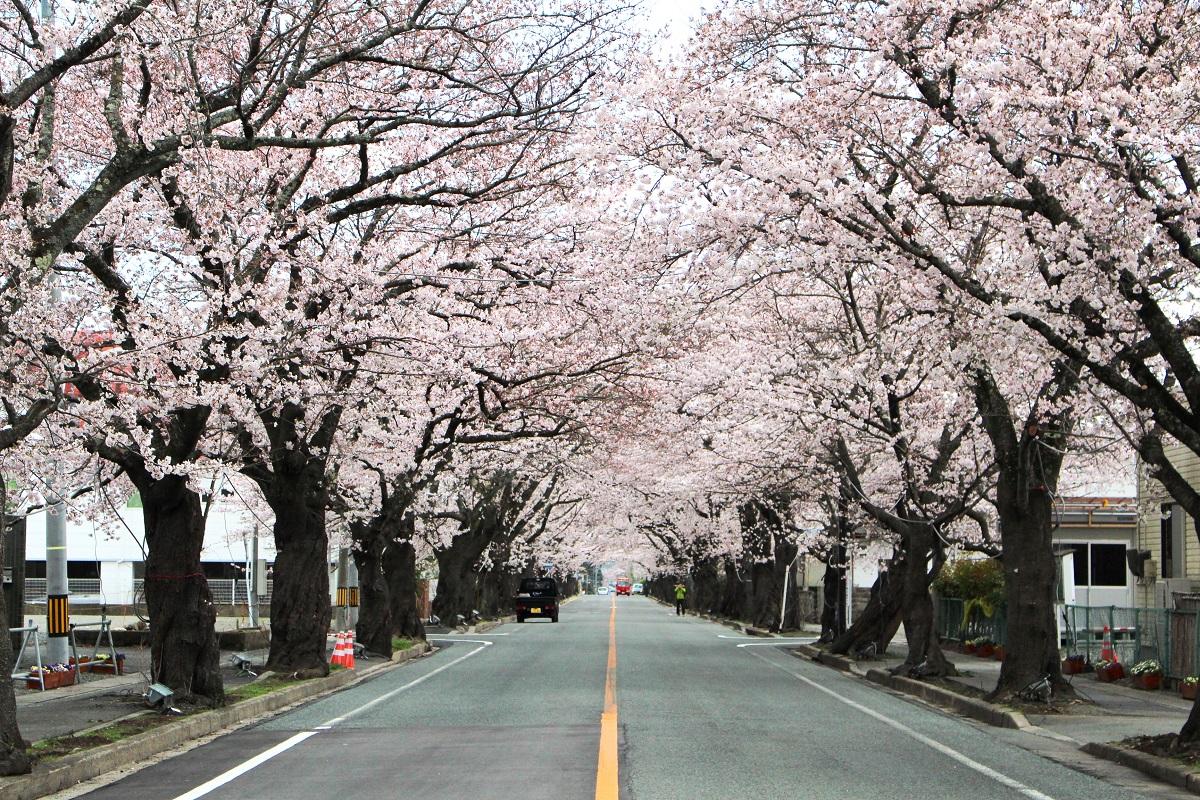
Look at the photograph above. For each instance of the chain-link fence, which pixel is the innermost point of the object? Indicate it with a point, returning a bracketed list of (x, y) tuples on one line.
[(1171, 636)]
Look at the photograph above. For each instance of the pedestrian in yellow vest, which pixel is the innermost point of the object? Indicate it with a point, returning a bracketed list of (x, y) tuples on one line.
[(680, 595)]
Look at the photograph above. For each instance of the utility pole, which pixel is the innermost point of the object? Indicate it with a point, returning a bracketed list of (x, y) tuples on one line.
[(58, 619), (252, 579), (342, 620)]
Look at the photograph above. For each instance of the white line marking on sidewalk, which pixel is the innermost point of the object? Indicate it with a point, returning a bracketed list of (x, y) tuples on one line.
[(934, 744), (245, 766), (265, 756)]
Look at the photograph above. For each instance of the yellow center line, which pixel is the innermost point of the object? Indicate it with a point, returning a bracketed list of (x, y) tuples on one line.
[(606, 766)]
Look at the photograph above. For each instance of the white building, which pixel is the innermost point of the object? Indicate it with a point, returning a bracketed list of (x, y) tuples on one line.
[(106, 563)]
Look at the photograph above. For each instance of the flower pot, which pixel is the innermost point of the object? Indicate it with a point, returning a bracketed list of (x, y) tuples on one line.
[(1072, 666), (999, 653), (968, 648), (1113, 672), (1148, 681), (1188, 690), (53, 680), (985, 651)]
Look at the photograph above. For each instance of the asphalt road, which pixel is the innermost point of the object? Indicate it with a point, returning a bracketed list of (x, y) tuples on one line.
[(699, 712)]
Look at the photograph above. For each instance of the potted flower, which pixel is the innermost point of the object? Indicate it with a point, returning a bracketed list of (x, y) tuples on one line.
[(999, 653), (1073, 664), (1189, 686), (104, 663), (968, 646), (1147, 675), (1109, 671), (984, 647)]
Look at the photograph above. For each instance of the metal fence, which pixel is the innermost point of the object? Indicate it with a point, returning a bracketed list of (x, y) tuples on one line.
[(35, 588), (1172, 636), (225, 591)]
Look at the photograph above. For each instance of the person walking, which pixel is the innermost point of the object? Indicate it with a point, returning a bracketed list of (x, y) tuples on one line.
[(680, 595)]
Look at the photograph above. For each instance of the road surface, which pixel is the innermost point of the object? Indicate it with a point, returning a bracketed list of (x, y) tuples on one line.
[(621, 695)]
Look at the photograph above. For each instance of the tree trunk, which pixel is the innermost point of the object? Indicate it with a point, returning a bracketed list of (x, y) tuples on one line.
[(457, 589), (300, 607), (400, 572), (833, 610), (924, 652), (1031, 646), (880, 620), (374, 628), (183, 640), (13, 758)]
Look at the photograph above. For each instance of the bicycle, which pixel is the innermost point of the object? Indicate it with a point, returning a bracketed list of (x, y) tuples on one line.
[(1040, 690)]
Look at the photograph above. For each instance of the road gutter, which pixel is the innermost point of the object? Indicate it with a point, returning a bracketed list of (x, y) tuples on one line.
[(1162, 769), (979, 710)]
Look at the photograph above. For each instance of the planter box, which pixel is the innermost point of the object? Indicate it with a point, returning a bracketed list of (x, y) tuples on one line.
[(1188, 690), (1072, 666), (1148, 681), (985, 651), (106, 667), (968, 648), (53, 680), (1111, 673), (998, 654)]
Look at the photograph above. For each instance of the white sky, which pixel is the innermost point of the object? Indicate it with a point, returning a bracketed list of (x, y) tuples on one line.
[(678, 16)]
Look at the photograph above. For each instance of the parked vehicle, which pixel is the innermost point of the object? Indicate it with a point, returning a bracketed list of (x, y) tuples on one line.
[(637, 588), (624, 586), (537, 597)]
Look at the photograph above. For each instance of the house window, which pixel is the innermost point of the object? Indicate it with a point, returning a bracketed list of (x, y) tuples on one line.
[(1108, 565), (1097, 563), (1171, 541)]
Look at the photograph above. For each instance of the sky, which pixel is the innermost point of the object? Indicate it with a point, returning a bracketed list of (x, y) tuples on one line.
[(676, 15)]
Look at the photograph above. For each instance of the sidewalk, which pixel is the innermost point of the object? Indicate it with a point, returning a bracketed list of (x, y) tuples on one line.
[(1115, 711), (100, 699)]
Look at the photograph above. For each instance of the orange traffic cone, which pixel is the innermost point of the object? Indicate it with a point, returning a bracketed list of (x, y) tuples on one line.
[(1107, 653), (349, 662), (339, 651)]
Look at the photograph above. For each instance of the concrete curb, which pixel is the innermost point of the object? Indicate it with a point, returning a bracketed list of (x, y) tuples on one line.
[(491, 624), (829, 659), (68, 771), (1160, 768), (416, 651), (979, 710)]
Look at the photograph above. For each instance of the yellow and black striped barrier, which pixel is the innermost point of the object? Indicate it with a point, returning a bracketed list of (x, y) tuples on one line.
[(58, 615), (354, 597)]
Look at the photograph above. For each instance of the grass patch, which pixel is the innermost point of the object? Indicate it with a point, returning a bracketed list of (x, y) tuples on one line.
[(60, 746), (401, 643), (249, 691)]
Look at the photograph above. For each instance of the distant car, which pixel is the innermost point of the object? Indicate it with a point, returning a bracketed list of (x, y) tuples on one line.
[(602, 590), (637, 588), (624, 587), (537, 597)]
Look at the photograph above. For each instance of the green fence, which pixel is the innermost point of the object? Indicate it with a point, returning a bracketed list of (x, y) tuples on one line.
[(1171, 636)]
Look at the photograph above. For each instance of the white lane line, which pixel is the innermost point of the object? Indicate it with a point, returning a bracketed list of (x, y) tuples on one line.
[(483, 645), (265, 756), (456, 633), (777, 643), (801, 639), (244, 767), (966, 761)]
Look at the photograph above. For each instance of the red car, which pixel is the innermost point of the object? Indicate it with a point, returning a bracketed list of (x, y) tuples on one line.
[(624, 587)]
